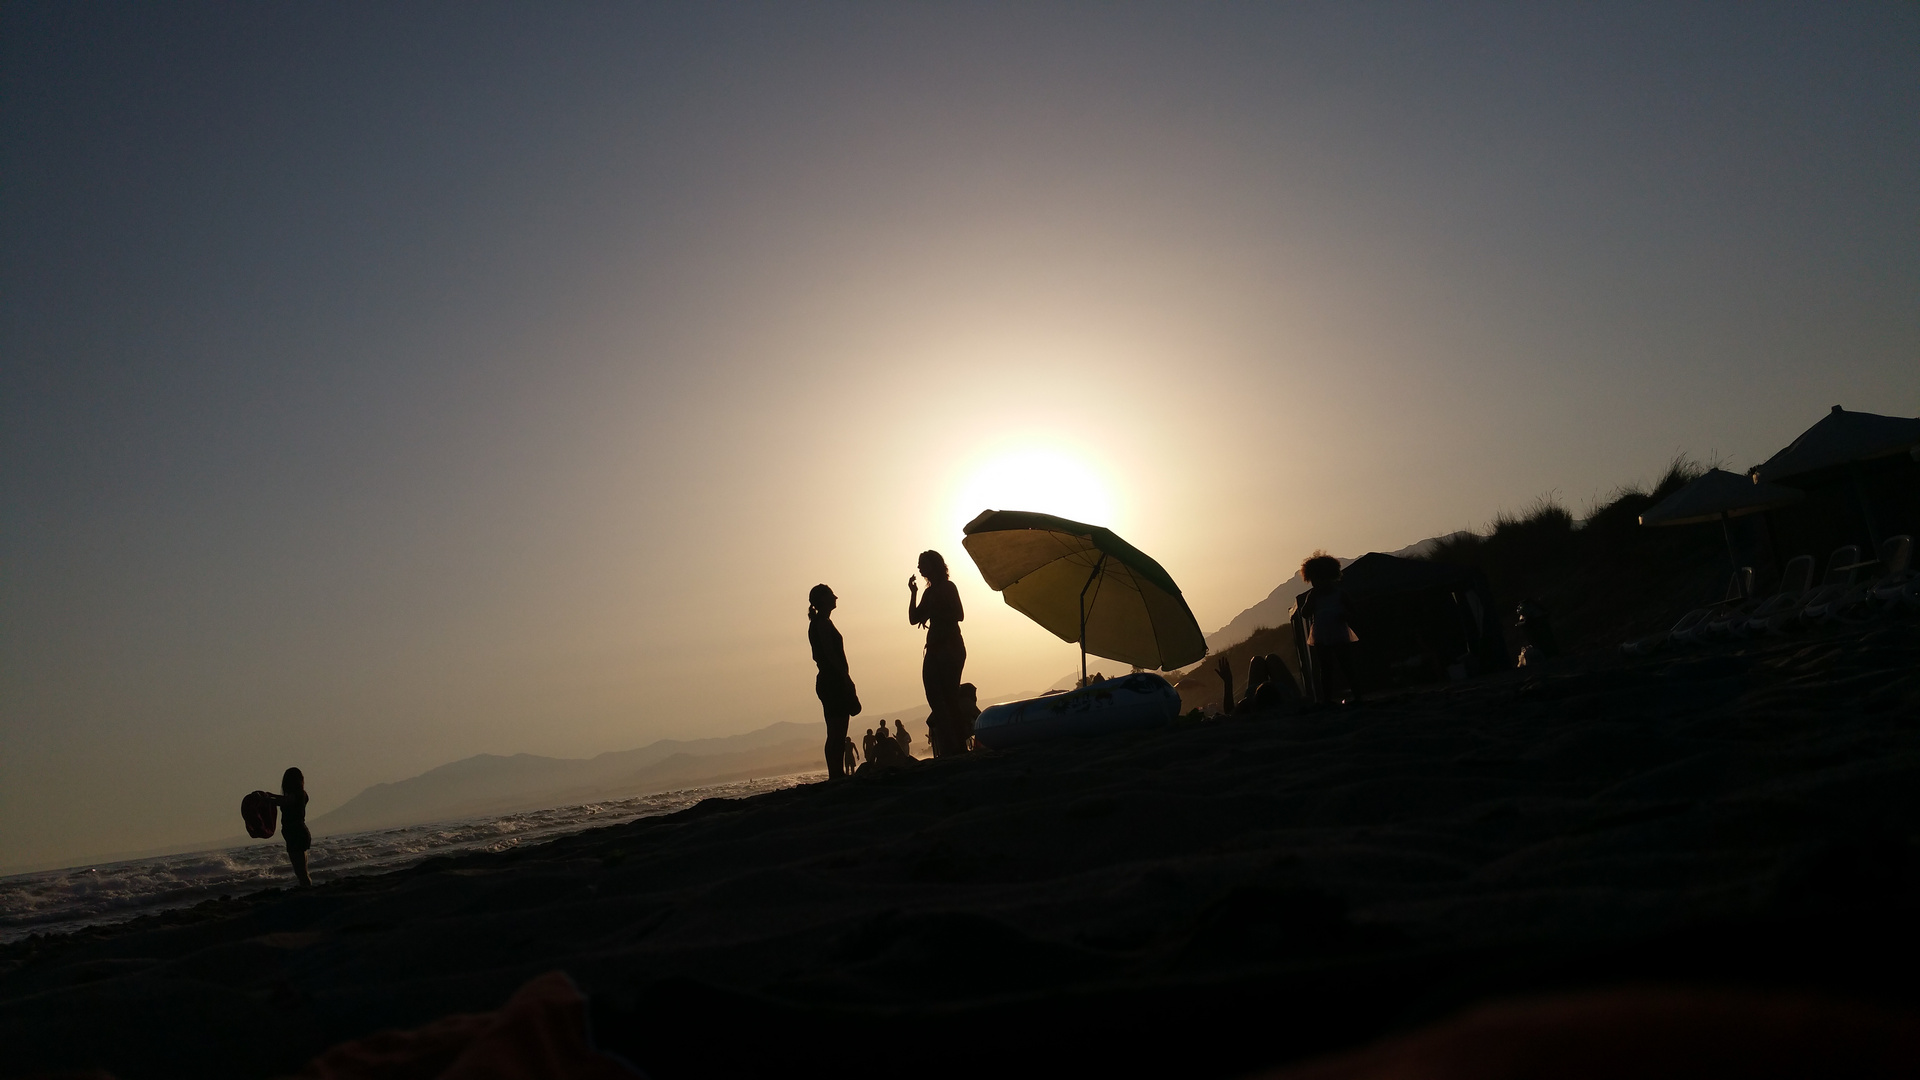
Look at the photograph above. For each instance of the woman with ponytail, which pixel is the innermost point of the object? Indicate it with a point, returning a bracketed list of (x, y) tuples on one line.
[(834, 685)]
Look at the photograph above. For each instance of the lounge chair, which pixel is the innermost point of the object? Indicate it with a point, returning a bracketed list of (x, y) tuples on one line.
[(1898, 573), (1842, 565), (1739, 589), (1794, 582), (1692, 626), (1896, 553)]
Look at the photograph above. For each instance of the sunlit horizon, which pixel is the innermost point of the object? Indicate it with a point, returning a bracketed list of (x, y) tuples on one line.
[(383, 388)]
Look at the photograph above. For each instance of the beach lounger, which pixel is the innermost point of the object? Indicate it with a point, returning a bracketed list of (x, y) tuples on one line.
[(1692, 626), (1795, 580), (1688, 628), (1899, 571), (1890, 569), (1841, 566)]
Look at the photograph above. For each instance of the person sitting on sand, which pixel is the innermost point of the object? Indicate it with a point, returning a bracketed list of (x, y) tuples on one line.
[(839, 701), (1264, 685), (1224, 669), (1279, 689), (1328, 634), (292, 801), (946, 655), (1257, 677), (966, 709), (887, 752), (900, 736)]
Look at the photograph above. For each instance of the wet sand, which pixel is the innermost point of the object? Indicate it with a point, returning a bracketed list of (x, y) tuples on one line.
[(1206, 900)]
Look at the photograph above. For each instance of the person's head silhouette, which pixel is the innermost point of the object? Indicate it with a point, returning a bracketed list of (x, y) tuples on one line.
[(292, 781), (820, 602), (1320, 569), (932, 566)]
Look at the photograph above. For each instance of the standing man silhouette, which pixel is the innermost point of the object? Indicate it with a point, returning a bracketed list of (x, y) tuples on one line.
[(833, 685)]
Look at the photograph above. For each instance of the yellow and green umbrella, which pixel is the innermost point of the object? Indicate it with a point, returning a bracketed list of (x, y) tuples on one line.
[(1086, 585)]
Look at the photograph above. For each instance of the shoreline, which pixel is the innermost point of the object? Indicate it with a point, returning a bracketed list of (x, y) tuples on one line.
[(1214, 897), (369, 853)]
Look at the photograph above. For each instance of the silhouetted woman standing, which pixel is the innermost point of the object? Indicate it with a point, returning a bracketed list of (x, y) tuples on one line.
[(946, 658), (834, 685), (292, 801)]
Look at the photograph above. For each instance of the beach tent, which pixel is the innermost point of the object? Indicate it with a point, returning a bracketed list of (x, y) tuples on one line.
[(1086, 585), (1860, 475), (1416, 621), (1718, 495)]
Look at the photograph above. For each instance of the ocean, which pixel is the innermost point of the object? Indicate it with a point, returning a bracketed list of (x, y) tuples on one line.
[(56, 901)]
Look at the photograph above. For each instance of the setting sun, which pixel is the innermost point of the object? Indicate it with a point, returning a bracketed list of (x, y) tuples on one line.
[(1042, 479)]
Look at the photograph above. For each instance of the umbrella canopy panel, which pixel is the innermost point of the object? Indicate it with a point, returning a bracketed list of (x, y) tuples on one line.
[(1718, 493), (1839, 438), (1062, 573)]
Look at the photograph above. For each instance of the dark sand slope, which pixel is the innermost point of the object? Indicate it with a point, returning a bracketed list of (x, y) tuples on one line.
[(1200, 901)]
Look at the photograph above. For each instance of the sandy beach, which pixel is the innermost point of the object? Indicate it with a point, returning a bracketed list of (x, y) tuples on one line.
[(1210, 899)]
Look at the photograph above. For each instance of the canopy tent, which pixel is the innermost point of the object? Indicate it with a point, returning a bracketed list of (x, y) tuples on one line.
[(1840, 438), (1086, 585), (1414, 620)]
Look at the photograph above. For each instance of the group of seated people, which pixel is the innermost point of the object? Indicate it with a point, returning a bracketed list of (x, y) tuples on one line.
[(881, 746), (1270, 685)]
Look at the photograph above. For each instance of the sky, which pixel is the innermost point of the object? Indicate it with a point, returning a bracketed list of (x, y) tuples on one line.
[(385, 384)]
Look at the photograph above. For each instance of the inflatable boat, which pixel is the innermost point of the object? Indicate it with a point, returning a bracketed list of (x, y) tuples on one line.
[(1140, 700)]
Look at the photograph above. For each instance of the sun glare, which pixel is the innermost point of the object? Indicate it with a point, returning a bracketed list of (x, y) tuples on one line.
[(1045, 480)]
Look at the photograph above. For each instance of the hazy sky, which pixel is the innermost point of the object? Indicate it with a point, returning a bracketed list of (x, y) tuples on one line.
[(385, 384)]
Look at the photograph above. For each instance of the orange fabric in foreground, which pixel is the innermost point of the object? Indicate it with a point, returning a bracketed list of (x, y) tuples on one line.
[(539, 1034), (1643, 1034)]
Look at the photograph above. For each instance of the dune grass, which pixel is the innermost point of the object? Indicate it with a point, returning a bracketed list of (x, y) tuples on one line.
[(1605, 577)]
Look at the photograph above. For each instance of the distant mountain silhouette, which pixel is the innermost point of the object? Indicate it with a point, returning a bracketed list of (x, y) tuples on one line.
[(1273, 610), (492, 784)]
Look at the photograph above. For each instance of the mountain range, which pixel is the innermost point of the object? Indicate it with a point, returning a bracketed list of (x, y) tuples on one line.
[(495, 784)]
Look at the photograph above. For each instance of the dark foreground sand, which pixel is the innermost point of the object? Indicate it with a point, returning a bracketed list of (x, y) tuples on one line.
[(1207, 900)]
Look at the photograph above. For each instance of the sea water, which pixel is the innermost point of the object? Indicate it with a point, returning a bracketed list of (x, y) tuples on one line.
[(55, 901)]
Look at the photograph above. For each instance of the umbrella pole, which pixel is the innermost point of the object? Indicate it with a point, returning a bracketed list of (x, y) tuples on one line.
[(1726, 533), (1091, 578)]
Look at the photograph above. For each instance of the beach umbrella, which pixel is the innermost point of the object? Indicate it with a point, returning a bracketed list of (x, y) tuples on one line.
[(1086, 585), (1843, 438), (1718, 495)]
